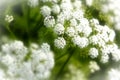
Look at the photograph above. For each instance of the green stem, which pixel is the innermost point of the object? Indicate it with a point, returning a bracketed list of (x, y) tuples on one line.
[(12, 34), (63, 66)]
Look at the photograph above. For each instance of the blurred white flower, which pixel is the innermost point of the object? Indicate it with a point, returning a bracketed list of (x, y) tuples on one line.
[(93, 66), (9, 18), (33, 3)]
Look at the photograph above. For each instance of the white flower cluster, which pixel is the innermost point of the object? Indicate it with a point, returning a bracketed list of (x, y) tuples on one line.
[(68, 21), (20, 63), (113, 6), (103, 39)]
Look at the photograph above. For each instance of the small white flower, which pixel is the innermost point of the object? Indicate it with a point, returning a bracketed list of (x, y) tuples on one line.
[(83, 42), (104, 58), (49, 21), (56, 9), (93, 52), (45, 11), (9, 18), (59, 29), (80, 41), (60, 42), (93, 66), (45, 47), (70, 31)]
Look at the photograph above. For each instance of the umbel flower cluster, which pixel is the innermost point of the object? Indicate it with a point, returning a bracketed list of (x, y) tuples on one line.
[(71, 23), (66, 35), (20, 63)]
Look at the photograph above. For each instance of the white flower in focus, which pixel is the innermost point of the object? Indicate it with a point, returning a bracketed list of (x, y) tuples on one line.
[(93, 66), (93, 52), (80, 41), (45, 11), (83, 42), (59, 29), (49, 21), (9, 18), (70, 31), (60, 42)]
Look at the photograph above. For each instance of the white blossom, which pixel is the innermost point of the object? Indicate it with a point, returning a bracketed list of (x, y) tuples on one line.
[(93, 52), (49, 21), (70, 31), (60, 42), (45, 11), (80, 41), (59, 29)]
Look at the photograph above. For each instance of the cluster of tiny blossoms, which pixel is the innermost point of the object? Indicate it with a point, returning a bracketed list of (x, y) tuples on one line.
[(21, 63), (67, 20)]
